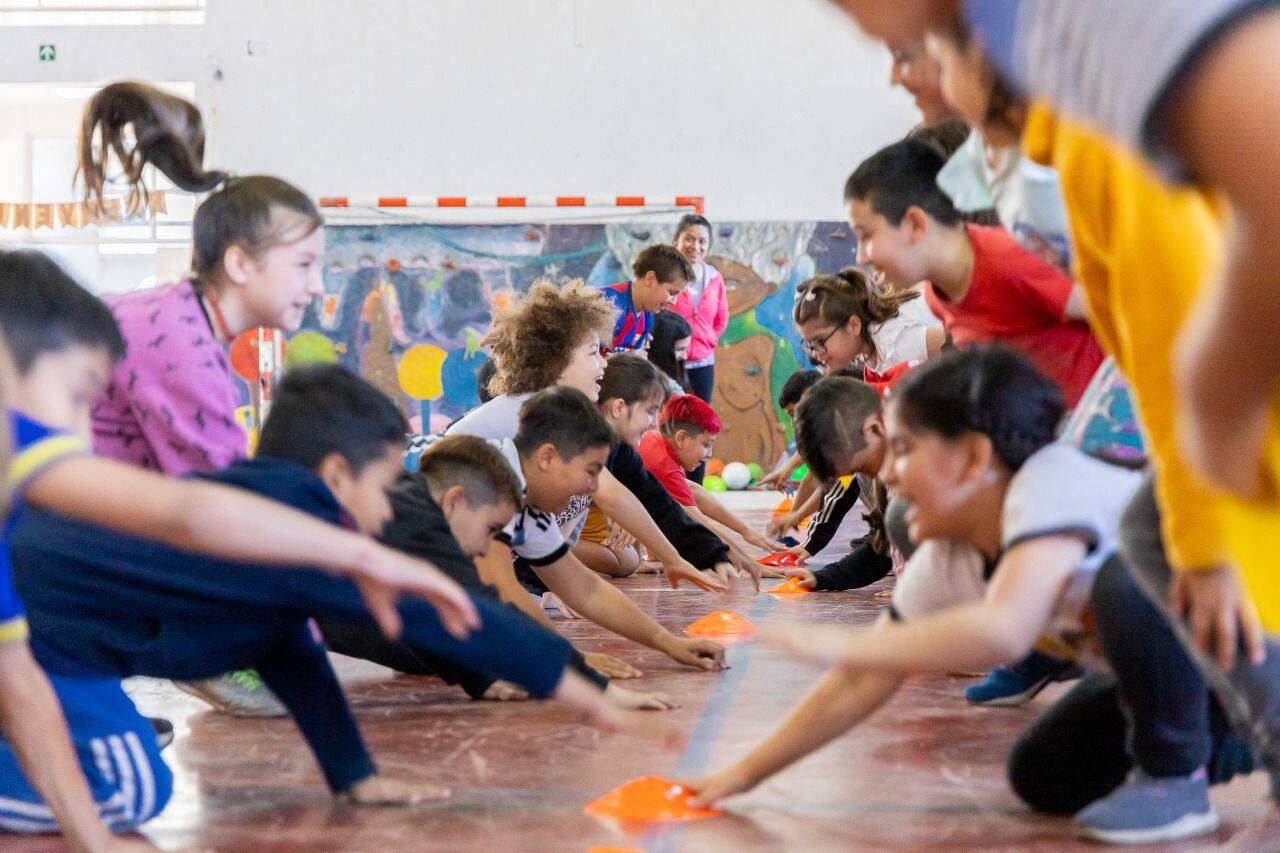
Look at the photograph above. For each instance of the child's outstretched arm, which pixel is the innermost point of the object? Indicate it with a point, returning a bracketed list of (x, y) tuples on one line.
[(607, 606), (777, 478), (710, 507), (617, 502), (840, 701), (1001, 628), (234, 524), (34, 726)]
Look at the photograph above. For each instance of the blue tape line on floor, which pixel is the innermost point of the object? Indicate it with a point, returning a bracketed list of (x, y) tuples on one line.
[(696, 758)]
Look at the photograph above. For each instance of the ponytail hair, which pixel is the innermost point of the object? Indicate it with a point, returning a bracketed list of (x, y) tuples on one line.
[(835, 299), (168, 134)]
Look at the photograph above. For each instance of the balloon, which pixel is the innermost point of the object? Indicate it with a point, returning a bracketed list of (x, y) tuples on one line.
[(757, 472), (713, 483), (715, 466), (310, 348), (244, 355), (736, 475), (419, 371)]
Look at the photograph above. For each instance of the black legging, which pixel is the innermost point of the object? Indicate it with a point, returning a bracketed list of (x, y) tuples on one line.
[(1154, 710)]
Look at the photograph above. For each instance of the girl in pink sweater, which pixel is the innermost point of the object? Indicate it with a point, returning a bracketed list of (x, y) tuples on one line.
[(258, 259), (703, 303)]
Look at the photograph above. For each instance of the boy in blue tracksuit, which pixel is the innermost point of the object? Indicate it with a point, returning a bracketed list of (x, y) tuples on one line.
[(103, 605)]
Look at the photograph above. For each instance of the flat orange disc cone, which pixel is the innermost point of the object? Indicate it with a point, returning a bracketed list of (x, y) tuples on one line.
[(647, 798), (784, 507), (719, 623), (791, 586)]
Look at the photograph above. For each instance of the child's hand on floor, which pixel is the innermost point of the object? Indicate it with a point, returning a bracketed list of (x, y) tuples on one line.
[(807, 578), (381, 791), (649, 567), (710, 790), (747, 567), (657, 727), (639, 700), (610, 666), (684, 570), (695, 652), (504, 691), (386, 574)]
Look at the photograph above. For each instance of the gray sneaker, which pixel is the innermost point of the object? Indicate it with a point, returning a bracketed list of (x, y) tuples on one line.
[(240, 694), (1146, 809)]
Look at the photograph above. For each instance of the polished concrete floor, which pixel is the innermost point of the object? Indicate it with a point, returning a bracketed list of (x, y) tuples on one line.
[(926, 773)]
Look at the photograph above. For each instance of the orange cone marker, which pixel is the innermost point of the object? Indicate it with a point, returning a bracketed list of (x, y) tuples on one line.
[(791, 586), (719, 623), (648, 798)]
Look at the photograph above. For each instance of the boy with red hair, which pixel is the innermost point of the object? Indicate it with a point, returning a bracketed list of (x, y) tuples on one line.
[(685, 437)]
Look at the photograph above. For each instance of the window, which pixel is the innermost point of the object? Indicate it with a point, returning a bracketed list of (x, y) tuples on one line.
[(63, 13)]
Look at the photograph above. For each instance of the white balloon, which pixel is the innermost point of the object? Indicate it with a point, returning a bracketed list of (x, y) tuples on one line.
[(736, 475)]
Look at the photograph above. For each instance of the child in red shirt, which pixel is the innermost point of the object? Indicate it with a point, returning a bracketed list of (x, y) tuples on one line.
[(685, 437), (981, 282)]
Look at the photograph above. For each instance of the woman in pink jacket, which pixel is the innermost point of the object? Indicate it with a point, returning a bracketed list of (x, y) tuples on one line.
[(703, 303)]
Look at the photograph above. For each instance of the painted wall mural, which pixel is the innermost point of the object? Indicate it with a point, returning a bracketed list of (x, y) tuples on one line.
[(407, 305)]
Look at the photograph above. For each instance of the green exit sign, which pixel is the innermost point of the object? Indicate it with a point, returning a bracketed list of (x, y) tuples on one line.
[(48, 53)]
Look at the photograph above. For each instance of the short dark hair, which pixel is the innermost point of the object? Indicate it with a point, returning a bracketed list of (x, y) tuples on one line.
[(564, 418), (692, 220), (665, 262), (901, 176), (985, 389), (325, 408), (476, 465), (795, 386), (829, 423), (43, 310), (631, 379)]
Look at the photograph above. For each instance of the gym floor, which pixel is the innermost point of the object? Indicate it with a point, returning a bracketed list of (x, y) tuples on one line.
[(925, 773)]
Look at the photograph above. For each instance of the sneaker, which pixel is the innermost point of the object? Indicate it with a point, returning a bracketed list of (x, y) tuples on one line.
[(163, 729), (1146, 809), (1011, 686), (240, 694)]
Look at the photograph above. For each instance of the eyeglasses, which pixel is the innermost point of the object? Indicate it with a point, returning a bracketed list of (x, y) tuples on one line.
[(821, 343)]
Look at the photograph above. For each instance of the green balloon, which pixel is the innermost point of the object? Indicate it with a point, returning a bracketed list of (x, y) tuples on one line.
[(756, 471), (712, 483), (800, 472), (309, 348)]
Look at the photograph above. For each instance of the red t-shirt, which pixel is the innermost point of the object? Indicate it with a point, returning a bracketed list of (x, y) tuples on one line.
[(660, 458), (1017, 299)]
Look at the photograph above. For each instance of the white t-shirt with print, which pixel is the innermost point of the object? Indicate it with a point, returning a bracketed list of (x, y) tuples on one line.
[(1058, 490), (500, 419)]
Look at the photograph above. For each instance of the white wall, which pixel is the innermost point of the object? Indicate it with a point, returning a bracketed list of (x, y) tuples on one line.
[(763, 106)]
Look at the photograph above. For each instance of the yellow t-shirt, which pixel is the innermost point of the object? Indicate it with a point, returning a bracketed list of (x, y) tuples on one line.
[(1143, 251)]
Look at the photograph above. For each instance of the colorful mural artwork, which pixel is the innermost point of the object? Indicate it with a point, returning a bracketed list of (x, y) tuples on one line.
[(407, 305)]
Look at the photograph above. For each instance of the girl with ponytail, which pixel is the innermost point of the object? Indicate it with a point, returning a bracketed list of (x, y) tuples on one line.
[(258, 258), (847, 320)]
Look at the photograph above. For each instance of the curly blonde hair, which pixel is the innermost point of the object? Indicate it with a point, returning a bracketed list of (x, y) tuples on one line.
[(532, 341)]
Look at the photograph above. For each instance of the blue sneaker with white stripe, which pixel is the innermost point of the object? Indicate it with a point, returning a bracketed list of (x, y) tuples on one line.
[(1147, 809)]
